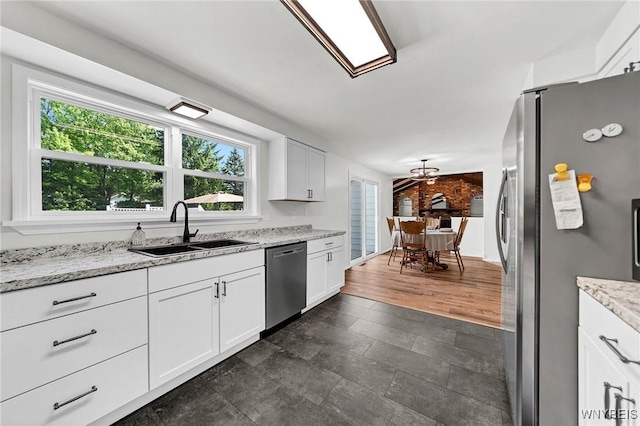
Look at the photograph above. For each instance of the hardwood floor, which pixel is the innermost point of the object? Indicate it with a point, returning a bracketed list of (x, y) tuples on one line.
[(474, 295)]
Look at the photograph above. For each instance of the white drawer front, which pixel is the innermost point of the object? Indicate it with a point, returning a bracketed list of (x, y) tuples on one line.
[(22, 307), (176, 274), (315, 246), (117, 380), (596, 321), (30, 358)]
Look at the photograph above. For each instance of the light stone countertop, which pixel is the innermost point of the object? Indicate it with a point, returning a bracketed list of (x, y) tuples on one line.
[(620, 297), (39, 266)]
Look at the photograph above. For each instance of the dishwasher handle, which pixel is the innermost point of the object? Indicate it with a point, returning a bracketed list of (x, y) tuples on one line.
[(288, 252)]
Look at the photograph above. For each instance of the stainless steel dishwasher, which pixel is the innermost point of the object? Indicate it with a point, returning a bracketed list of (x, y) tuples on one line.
[(286, 291)]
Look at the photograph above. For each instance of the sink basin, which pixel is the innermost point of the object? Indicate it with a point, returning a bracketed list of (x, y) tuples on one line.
[(165, 250), (173, 249), (214, 244)]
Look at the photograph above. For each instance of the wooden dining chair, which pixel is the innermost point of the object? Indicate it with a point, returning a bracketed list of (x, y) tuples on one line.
[(412, 235), (394, 249), (457, 241)]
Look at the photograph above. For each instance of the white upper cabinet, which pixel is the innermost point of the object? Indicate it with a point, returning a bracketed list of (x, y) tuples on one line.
[(296, 171), (627, 54), (315, 173)]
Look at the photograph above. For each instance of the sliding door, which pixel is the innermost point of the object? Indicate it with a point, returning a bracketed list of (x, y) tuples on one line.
[(363, 218)]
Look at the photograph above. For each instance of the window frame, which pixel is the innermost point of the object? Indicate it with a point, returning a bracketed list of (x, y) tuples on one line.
[(30, 85)]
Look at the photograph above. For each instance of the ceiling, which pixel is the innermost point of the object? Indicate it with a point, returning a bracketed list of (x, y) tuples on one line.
[(461, 65)]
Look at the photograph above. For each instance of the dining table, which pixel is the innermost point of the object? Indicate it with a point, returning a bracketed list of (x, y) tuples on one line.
[(436, 240)]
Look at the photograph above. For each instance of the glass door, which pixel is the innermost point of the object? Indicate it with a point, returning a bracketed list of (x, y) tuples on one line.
[(363, 218)]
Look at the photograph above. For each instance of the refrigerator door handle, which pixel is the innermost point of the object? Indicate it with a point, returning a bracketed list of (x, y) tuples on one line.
[(499, 221)]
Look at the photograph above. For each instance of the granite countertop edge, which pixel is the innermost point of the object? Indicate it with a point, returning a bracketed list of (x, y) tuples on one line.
[(24, 275), (619, 297)]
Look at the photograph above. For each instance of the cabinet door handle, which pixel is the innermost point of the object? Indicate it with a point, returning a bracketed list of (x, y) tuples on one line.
[(75, 398), (56, 302), (330, 256), (57, 343), (308, 193), (224, 288), (217, 294), (311, 193), (615, 350), (607, 399), (619, 399)]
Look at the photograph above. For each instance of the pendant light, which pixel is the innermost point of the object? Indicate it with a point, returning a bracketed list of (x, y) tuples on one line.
[(424, 173)]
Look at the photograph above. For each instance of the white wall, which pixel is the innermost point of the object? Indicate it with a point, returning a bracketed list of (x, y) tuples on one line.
[(587, 63), (622, 28), (34, 22), (492, 173)]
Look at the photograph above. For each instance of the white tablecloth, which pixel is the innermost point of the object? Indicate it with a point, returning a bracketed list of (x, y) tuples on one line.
[(436, 240)]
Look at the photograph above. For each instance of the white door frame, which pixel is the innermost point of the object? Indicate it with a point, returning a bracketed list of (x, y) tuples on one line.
[(364, 181)]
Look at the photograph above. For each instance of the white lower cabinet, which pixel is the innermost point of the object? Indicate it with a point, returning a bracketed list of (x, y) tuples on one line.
[(600, 381), (325, 269), (46, 351), (81, 397), (183, 329), (75, 351), (241, 306), (608, 390), (335, 269), (316, 277), (192, 322)]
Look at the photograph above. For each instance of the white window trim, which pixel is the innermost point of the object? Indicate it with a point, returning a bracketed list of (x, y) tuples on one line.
[(28, 83)]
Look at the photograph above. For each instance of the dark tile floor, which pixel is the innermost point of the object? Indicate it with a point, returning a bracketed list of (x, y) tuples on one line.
[(349, 361)]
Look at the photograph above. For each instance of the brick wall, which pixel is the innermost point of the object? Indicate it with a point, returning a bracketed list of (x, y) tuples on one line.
[(407, 193), (458, 189)]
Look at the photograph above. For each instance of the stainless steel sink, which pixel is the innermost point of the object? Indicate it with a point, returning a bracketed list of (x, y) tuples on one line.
[(214, 244), (174, 249)]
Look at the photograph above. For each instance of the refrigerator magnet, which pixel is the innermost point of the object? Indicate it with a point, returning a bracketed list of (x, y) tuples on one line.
[(592, 135), (612, 130)]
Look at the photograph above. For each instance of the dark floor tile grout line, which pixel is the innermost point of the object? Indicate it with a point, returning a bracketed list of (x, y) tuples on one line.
[(410, 374), (329, 393), (395, 373)]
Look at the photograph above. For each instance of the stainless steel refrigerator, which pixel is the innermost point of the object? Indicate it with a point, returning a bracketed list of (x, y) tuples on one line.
[(540, 262)]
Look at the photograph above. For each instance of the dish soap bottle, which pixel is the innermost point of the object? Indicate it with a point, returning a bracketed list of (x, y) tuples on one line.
[(138, 236)]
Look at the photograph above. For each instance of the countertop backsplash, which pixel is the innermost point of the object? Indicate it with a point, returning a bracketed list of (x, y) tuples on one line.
[(35, 253), (38, 266)]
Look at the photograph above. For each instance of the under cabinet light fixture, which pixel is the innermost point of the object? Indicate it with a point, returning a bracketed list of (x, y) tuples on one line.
[(350, 30), (187, 108)]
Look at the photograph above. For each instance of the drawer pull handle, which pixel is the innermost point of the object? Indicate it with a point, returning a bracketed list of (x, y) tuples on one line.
[(615, 350), (56, 302), (56, 343), (329, 243), (75, 398)]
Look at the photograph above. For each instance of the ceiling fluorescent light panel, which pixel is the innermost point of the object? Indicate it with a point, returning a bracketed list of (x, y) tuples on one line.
[(350, 30), (188, 108)]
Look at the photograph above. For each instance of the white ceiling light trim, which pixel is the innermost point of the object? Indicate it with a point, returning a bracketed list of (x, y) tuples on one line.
[(350, 30)]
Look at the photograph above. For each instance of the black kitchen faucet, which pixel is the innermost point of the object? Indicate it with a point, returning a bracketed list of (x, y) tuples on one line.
[(186, 236)]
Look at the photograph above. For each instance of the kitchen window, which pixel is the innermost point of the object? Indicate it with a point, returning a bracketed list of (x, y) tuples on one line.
[(84, 155)]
